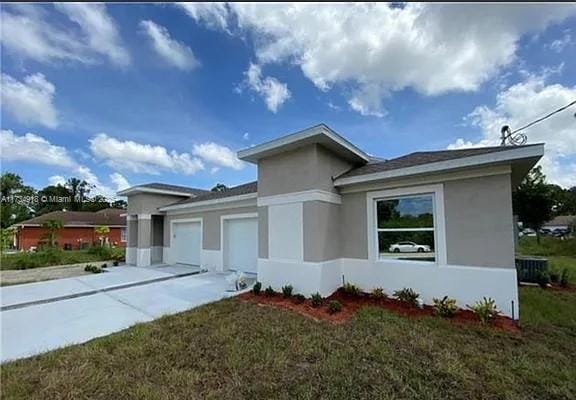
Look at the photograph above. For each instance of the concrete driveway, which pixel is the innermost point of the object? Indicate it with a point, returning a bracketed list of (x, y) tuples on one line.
[(43, 316)]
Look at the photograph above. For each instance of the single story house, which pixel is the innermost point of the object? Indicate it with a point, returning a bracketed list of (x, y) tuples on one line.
[(323, 211), (78, 230)]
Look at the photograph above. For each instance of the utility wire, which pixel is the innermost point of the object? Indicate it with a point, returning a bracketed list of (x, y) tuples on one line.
[(544, 117)]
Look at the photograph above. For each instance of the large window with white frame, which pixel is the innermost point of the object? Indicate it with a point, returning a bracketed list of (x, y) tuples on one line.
[(405, 226)]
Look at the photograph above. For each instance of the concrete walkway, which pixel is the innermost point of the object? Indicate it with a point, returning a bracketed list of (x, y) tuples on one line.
[(51, 323)]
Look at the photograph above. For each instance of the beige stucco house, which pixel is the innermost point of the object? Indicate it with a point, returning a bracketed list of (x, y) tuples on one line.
[(323, 211)]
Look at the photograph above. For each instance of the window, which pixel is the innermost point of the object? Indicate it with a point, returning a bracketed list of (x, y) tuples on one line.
[(123, 234), (406, 228)]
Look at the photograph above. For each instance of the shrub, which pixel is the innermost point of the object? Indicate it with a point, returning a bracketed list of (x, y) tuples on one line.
[(378, 293), (485, 309), (564, 278), (257, 288), (102, 251), (287, 291), (334, 306), (351, 289), (104, 265), (543, 279), (445, 307), (93, 268), (554, 277), (299, 298), (269, 291), (407, 295), (115, 263), (316, 300)]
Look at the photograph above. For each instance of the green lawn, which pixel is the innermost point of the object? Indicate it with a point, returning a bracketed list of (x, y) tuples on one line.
[(234, 350), (560, 253), (54, 257)]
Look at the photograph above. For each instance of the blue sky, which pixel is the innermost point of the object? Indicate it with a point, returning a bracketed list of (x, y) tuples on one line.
[(133, 93)]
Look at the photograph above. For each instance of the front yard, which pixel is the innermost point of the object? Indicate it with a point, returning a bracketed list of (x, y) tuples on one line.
[(234, 350), (51, 257)]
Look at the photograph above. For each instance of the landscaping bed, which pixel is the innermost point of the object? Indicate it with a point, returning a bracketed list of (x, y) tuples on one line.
[(352, 303)]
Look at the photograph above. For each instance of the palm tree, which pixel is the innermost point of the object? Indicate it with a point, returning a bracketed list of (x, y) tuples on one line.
[(53, 226), (102, 231)]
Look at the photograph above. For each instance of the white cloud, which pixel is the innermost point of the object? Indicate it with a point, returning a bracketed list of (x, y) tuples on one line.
[(142, 158), (56, 180), (120, 181), (274, 92), (29, 32), (33, 148), (522, 103), (376, 49), (213, 15), (30, 101), (246, 136), (217, 154), (174, 52), (560, 44)]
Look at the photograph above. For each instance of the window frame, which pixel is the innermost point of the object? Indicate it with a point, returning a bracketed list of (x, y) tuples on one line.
[(124, 234), (437, 193)]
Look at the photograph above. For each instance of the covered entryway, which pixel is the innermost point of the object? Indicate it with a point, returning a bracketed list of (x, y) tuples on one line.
[(240, 244), (187, 242)]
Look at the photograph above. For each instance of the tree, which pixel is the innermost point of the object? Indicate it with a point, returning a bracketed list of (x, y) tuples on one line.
[(220, 187), (79, 190), (533, 201), (17, 199), (53, 226), (96, 203), (53, 198), (102, 231), (120, 204)]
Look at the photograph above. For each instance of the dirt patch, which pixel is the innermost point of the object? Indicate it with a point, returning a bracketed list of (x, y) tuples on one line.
[(351, 304), (19, 276)]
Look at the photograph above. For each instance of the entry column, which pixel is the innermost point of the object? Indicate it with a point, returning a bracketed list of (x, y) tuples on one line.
[(144, 240)]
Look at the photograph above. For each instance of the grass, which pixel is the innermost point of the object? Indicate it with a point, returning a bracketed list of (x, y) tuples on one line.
[(52, 257), (234, 350)]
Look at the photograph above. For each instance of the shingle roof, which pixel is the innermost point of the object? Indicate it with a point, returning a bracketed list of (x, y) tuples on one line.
[(420, 158), (177, 188), (109, 216), (246, 188)]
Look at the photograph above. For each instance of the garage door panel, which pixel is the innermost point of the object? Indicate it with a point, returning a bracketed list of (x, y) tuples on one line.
[(241, 244), (187, 239)]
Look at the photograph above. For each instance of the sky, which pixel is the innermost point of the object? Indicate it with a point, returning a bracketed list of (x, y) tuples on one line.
[(125, 94)]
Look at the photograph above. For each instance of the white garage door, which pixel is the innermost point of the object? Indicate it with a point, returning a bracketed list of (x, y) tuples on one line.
[(186, 242), (241, 244)]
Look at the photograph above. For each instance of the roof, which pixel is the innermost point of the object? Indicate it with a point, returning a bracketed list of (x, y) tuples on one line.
[(422, 158), (562, 220), (163, 188), (108, 216), (318, 134), (246, 188)]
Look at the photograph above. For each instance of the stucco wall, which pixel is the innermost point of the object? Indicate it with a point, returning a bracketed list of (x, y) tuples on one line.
[(132, 232), (210, 224), (353, 228), (307, 168), (144, 233), (321, 231), (157, 230), (479, 221), (147, 203)]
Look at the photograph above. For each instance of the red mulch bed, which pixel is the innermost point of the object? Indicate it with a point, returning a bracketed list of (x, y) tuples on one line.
[(350, 304)]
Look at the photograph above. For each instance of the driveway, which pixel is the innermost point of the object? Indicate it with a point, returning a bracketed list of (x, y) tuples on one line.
[(43, 316)]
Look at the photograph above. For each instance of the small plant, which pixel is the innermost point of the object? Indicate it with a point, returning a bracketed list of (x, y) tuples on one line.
[(115, 263), (287, 291), (543, 279), (93, 268), (485, 309), (269, 291), (334, 306), (299, 298), (554, 277), (316, 299), (257, 288), (445, 307), (378, 293), (564, 278), (350, 289), (407, 295), (104, 265)]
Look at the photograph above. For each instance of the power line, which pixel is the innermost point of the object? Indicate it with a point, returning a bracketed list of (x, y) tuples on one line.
[(520, 138), (544, 117)]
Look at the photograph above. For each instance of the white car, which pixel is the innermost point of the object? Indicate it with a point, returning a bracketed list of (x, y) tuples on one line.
[(409, 247)]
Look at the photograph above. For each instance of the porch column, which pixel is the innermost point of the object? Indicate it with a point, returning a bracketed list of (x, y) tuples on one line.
[(144, 240), (132, 239)]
